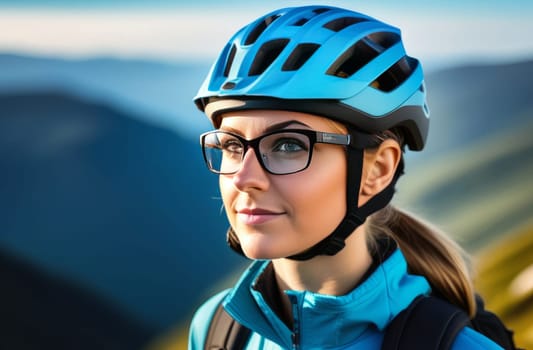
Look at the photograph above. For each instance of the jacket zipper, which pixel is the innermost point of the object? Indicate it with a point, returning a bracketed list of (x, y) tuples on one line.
[(295, 336)]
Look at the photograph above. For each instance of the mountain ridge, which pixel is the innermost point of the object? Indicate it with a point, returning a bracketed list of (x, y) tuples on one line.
[(93, 190), (42, 311), (99, 200)]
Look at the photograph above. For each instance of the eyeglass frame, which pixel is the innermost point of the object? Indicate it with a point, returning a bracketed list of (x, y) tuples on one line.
[(313, 136)]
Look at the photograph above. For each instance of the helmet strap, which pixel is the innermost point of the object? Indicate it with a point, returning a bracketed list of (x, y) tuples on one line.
[(355, 215), (233, 241), (333, 243)]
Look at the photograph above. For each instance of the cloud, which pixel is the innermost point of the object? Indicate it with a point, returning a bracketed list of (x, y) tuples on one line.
[(89, 33), (194, 34)]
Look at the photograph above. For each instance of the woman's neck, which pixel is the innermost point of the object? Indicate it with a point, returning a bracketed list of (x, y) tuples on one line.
[(331, 275)]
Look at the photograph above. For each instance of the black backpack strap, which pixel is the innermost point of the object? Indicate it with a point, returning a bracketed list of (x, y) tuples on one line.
[(428, 323), (225, 333), (491, 326)]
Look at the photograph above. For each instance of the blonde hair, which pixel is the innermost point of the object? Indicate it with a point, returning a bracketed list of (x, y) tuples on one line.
[(428, 251)]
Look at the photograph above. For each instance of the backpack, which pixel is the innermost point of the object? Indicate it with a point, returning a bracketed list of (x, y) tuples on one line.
[(429, 322)]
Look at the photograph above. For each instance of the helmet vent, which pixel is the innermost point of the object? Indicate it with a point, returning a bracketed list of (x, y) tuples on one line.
[(229, 60), (395, 75), (321, 10), (304, 20), (383, 40), (259, 29), (340, 23), (301, 22), (361, 53), (266, 54), (299, 56), (229, 85), (355, 57)]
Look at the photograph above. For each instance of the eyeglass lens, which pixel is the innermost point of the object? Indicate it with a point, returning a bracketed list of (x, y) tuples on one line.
[(278, 153)]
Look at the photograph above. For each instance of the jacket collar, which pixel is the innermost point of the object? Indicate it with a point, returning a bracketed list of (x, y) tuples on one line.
[(327, 321)]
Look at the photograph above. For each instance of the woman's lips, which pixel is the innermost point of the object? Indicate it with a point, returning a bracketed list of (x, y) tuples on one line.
[(256, 216)]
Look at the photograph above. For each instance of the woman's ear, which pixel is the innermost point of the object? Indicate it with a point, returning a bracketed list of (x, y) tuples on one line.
[(379, 167)]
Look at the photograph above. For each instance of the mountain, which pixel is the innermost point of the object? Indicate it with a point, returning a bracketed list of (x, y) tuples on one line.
[(469, 103), (478, 193), (158, 92), (161, 93), (119, 206), (473, 178), (97, 188), (42, 311)]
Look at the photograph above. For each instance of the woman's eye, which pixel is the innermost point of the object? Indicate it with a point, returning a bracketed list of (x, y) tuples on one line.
[(288, 145), (232, 146)]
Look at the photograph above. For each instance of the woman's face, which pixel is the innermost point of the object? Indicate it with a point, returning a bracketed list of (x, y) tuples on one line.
[(275, 216)]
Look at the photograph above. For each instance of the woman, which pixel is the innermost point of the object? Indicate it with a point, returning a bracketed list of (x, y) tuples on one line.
[(312, 108)]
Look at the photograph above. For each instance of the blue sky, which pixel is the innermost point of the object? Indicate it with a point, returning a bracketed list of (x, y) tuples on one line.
[(479, 4), (437, 32)]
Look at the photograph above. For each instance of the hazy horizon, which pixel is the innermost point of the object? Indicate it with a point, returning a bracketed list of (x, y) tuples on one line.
[(439, 34)]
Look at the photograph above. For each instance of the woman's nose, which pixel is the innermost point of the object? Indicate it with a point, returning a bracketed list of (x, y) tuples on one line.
[(251, 174)]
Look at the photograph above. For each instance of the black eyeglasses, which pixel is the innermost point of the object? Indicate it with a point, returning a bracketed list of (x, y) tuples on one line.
[(280, 152)]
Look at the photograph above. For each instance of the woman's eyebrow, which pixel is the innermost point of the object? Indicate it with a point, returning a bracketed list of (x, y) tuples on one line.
[(273, 127), (283, 125)]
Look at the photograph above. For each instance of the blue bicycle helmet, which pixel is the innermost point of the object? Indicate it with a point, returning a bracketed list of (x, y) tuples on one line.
[(325, 61)]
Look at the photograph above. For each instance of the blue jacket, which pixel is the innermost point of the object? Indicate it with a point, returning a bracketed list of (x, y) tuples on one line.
[(353, 321)]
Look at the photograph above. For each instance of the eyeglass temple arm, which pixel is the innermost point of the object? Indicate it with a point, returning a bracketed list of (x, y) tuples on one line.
[(355, 139)]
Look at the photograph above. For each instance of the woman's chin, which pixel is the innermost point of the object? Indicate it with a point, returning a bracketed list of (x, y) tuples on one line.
[(264, 251), (266, 245), (260, 254)]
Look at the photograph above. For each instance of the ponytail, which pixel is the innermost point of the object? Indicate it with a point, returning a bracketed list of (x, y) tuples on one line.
[(428, 253)]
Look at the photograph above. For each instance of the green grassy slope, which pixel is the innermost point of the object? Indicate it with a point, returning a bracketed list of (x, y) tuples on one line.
[(477, 194), (505, 279), (483, 197)]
